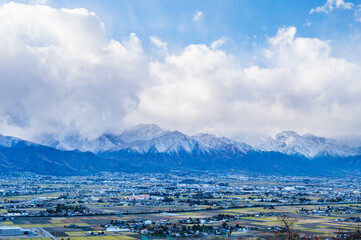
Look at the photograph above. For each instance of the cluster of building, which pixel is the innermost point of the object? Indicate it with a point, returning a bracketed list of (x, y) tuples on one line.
[(213, 190), (31, 195), (183, 228), (331, 210)]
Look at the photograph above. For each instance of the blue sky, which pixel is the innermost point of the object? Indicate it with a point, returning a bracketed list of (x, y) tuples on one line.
[(245, 23), (225, 67), (242, 22)]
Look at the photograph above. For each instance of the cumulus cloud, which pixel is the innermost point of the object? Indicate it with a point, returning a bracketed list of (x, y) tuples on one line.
[(197, 16), (61, 74), (331, 5), (302, 88)]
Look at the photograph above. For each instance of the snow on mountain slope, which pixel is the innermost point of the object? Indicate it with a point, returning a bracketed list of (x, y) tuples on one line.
[(102, 143), (9, 142), (145, 138), (141, 132), (75, 142), (169, 142), (149, 138), (221, 144), (308, 145), (175, 142)]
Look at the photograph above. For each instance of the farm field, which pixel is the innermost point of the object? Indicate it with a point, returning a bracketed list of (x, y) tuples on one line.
[(260, 225), (132, 206)]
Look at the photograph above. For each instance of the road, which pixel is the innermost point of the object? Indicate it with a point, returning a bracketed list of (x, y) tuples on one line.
[(48, 234)]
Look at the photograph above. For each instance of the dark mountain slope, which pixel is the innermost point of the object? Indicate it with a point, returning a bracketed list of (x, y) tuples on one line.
[(45, 160)]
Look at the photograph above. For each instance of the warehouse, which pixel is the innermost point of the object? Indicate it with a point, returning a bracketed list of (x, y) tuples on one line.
[(10, 231)]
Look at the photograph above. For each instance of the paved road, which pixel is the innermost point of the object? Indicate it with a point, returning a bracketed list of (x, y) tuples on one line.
[(48, 234)]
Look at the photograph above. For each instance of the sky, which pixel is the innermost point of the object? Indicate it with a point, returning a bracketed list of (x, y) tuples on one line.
[(227, 67)]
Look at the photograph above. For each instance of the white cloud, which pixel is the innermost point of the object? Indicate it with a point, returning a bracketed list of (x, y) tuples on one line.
[(218, 43), (358, 14), (303, 88), (60, 73), (331, 5), (38, 1), (307, 23), (158, 42), (197, 16)]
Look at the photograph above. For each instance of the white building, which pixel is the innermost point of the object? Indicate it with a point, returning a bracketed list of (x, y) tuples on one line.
[(117, 229), (11, 231)]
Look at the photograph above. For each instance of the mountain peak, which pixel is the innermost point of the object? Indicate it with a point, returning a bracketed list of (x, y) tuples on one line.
[(287, 134), (149, 127), (6, 141), (308, 145)]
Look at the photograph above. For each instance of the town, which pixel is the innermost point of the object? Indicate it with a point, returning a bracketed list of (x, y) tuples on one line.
[(176, 204)]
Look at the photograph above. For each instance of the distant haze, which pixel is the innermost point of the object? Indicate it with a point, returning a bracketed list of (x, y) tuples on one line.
[(61, 73)]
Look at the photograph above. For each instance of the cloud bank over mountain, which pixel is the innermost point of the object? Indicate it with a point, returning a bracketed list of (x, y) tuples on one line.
[(60, 74)]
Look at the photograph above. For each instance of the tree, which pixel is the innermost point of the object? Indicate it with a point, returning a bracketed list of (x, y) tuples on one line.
[(287, 232), (58, 208)]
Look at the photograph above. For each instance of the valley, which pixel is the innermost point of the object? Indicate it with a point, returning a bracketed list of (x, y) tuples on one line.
[(177, 205)]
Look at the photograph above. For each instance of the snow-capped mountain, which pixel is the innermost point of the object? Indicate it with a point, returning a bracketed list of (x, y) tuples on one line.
[(141, 132), (9, 142), (221, 143), (103, 143), (174, 142), (150, 148), (169, 142), (149, 138), (6, 141), (76, 142), (308, 145), (146, 138)]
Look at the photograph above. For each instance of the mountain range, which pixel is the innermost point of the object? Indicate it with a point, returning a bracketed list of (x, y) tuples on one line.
[(147, 147)]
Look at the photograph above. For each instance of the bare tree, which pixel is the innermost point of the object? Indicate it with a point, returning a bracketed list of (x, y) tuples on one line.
[(356, 234), (287, 232), (340, 233)]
